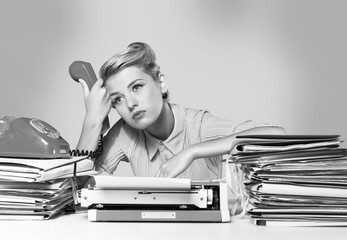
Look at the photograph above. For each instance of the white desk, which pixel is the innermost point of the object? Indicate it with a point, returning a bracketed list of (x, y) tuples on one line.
[(76, 226)]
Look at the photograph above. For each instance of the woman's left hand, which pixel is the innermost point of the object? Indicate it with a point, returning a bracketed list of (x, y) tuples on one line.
[(175, 165)]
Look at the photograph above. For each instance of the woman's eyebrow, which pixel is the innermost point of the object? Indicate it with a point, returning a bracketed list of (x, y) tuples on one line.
[(132, 83), (114, 93), (129, 85)]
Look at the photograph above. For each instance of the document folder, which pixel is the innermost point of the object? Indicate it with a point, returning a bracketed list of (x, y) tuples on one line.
[(294, 180)]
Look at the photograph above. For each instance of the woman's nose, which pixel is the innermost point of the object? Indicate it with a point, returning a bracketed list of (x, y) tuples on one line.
[(132, 102)]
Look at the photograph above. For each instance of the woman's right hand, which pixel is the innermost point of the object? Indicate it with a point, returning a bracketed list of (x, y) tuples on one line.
[(97, 102)]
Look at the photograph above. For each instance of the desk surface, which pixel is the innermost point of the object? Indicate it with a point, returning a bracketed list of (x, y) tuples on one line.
[(76, 226)]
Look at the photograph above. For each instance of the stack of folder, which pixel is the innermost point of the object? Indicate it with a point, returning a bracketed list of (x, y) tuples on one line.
[(294, 180), (39, 189)]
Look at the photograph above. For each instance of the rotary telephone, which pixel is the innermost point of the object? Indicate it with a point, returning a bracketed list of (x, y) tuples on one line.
[(31, 138)]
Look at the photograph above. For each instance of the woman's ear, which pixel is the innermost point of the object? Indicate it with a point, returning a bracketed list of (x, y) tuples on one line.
[(163, 85)]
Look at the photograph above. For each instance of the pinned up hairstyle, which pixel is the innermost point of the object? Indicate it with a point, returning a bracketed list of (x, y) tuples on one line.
[(137, 54)]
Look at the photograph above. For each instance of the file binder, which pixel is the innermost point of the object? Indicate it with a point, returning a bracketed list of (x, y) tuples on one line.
[(294, 180)]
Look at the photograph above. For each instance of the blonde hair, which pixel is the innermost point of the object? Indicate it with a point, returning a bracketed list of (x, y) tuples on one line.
[(137, 54)]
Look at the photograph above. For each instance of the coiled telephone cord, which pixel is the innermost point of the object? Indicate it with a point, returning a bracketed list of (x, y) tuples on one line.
[(92, 154)]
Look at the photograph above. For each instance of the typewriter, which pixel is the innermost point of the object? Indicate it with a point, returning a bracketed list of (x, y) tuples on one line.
[(138, 199)]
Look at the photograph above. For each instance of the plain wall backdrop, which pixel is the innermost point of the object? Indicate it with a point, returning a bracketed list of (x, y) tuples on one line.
[(282, 62)]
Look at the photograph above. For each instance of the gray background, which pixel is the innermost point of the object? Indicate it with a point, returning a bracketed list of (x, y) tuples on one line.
[(282, 62)]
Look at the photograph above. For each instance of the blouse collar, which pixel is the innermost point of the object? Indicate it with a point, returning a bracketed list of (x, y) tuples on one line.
[(174, 143)]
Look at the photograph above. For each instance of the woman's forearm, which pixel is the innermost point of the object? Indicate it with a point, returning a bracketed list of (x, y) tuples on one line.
[(224, 145), (181, 161), (89, 136)]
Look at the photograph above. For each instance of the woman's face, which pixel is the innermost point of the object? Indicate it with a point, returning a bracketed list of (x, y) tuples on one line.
[(136, 96)]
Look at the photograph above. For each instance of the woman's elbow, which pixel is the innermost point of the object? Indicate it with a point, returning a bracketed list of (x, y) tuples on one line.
[(278, 130)]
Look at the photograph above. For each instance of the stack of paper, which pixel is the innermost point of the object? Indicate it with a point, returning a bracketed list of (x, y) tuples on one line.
[(38, 170), (295, 180), (34, 201), (36, 189)]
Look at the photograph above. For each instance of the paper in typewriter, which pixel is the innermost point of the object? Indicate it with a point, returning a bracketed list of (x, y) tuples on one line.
[(143, 183), (295, 180)]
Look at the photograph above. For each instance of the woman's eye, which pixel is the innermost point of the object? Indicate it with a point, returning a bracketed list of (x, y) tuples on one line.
[(137, 87), (117, 100)]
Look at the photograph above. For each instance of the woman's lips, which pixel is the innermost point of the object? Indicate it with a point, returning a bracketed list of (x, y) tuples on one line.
[(138, 114)]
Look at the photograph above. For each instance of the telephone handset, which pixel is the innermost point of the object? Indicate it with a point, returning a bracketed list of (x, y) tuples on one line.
[(83, 70)]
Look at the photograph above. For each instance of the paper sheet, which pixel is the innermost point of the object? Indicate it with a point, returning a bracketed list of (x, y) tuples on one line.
[(44, 164), (141, 183)]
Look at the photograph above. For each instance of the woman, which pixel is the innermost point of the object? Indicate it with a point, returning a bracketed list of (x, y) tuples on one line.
[(156, 137)]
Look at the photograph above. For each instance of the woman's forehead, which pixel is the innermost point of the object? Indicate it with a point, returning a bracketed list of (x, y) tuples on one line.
[(127, 76)]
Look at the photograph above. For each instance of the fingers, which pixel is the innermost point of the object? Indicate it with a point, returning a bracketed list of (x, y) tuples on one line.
[(159, 174), (164, 173), (99, 83), (85, 88)]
